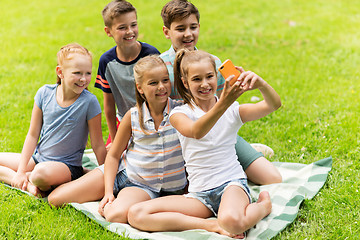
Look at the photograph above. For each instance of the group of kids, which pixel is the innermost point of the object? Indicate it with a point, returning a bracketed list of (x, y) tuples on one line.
[(165, 113)]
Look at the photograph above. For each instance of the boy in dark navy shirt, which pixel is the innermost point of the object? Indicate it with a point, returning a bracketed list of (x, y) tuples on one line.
[(115, 73)]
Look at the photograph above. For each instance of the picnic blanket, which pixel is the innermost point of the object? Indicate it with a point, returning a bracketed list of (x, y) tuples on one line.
[(300, 181)]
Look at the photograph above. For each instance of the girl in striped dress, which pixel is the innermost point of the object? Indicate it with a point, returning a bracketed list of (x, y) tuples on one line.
[(146, 144)]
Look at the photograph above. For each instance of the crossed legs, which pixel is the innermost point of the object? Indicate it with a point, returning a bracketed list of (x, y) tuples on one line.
[(89, 187), (179, 213), (41, 177)]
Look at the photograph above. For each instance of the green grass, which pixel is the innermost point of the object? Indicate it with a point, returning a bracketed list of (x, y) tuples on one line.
[(307, 50), (24, 217)]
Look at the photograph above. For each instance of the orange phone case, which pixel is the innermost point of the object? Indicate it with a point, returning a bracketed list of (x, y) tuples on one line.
[(227, 69)]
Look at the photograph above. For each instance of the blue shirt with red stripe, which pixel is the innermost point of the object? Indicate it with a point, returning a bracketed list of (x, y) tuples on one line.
[(117, 77)]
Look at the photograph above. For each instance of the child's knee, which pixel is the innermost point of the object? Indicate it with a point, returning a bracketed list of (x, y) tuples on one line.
[(115, 214), (232, 223), (273, 177), (40, 175), (54, 199), (277, 177), (137, 214)]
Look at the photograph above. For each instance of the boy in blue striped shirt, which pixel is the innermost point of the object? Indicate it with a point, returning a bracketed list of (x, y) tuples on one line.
[(182, 25)]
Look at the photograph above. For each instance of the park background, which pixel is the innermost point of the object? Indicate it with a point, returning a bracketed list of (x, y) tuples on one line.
[(307, 50)]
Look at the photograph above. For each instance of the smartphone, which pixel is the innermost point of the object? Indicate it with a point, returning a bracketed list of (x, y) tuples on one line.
[(227, 69)]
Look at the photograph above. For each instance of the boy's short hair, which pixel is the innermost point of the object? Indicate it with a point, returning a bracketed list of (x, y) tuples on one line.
[(114, 9), (178, 10)]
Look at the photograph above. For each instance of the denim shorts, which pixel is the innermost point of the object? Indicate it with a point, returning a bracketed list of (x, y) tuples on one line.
[(122, 181), (211, 198), (76, 171)]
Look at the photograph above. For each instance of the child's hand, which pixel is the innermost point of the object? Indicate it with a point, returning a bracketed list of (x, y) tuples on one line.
[(107, 199), (231, 93), (20, 181), (250, 112), (249, 80)]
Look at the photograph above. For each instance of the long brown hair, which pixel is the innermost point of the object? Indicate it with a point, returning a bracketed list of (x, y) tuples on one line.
[(185, 58), (141, 67)]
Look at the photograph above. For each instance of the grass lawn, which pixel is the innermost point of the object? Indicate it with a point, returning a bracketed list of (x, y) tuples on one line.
[(307, 50)]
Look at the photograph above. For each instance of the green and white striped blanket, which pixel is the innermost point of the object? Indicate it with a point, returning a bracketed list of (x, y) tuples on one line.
[(300, 181)]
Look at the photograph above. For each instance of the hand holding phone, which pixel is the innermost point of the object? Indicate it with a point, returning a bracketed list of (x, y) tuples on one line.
[(227, 69)]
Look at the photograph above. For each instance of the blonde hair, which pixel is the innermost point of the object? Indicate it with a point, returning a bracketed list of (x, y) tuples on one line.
[(115, 9), (65, 54), (141, 67), (183, 60)]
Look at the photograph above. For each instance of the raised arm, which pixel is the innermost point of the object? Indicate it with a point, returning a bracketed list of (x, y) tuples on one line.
[(199, 128), (113, 157), (271, 102), (20, 179)]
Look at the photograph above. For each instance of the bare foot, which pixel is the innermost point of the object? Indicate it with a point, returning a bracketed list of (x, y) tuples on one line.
[(214, 227), (238, 236), (265, 201), (31, 188)]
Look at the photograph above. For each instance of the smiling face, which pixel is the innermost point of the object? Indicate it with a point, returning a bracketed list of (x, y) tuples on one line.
[(124, 29), (75, 72), (155, 85), (201, 81), (183, 33)]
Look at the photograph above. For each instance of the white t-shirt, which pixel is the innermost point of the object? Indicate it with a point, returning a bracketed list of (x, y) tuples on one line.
[(211, 160)]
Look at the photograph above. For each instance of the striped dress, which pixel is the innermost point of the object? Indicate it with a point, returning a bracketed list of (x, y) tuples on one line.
[(155, 160)]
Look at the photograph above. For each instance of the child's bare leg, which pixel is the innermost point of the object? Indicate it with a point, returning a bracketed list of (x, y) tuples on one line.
[(10, 160), (236, 215), (48, 174), (263, 172), (117, 211), (9, 163), (89, 187), (6, 174), (173, 213)]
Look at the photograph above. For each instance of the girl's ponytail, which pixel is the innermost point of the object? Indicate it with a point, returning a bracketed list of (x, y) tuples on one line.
[(183, 60), (180, 74)]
